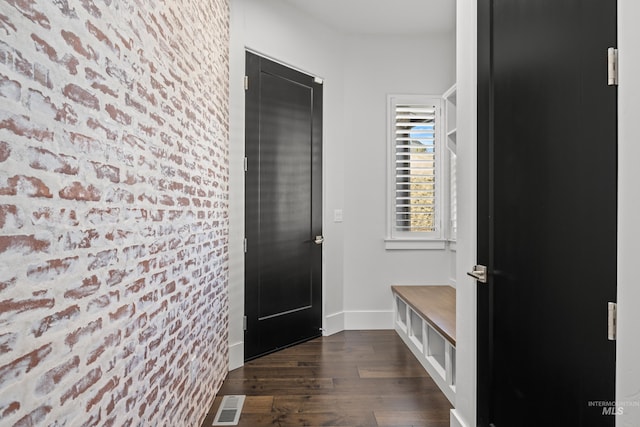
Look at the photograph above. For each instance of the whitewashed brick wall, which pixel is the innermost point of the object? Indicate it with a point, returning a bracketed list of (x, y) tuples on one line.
[(113, 211)]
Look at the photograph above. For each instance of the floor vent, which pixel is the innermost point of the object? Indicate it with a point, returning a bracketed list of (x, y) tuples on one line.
[(229, 411)]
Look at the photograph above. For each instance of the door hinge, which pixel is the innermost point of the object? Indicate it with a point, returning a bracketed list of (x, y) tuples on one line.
[(246, 164), (612, 321), (246, 82), (244, 323), (612, 66), (245, 245)]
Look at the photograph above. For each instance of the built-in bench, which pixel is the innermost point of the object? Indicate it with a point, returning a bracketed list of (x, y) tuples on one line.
[(425, 319)]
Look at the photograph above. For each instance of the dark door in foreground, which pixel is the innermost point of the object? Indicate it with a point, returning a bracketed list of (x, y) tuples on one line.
[(547, 153)]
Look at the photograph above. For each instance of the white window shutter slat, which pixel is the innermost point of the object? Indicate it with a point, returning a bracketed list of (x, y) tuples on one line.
[(415, 168)]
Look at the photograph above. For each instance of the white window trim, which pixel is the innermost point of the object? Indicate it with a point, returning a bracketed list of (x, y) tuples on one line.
[(452, 234), (411, 240)]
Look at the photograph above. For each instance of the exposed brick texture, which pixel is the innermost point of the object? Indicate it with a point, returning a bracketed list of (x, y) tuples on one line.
[(113, 211)]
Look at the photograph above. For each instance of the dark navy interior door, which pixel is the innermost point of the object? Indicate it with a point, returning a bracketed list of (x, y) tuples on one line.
[(547, 163), (283, 224)]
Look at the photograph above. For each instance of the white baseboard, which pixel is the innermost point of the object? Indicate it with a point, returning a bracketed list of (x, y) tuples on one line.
[(236, 355), (334, 323), (455, 420), (364, 320)]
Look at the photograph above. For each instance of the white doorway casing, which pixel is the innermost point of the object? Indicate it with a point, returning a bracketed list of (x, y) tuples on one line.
[(464, 413), (628, 345)]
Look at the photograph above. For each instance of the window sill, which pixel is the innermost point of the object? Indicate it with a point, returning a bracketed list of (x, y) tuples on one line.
[(414, 244)]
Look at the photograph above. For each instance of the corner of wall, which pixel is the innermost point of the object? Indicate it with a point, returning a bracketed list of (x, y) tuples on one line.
[(334, 323), (456, 420), (236, 355)]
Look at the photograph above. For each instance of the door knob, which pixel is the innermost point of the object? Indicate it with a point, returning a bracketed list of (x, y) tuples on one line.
[(479, 273), (319, 240)]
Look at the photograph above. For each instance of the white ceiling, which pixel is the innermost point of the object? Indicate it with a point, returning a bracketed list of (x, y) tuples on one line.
[(386, 17)]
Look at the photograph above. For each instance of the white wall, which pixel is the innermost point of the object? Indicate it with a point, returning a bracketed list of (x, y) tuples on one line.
[(376, 66), (628, 348), (275, 30)]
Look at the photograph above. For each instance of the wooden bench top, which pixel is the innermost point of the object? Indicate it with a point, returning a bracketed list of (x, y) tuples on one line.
[(435, 304)]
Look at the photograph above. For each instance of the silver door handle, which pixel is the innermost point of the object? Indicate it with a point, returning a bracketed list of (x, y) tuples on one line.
[(479, 273), (319, 240)]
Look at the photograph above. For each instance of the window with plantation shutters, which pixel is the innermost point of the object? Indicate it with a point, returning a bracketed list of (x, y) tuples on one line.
[(415, 167)]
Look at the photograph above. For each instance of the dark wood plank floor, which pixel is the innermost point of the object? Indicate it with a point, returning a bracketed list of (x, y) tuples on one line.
[(353, 378)]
